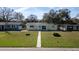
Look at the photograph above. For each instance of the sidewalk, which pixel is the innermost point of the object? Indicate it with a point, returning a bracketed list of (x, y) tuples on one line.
[(39, 40)]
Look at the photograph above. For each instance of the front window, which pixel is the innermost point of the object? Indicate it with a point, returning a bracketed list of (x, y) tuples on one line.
[(31, 26), (77, 27), (43, 27)]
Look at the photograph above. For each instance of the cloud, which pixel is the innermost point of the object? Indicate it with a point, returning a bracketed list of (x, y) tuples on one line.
[(39, 11), (20, 9)]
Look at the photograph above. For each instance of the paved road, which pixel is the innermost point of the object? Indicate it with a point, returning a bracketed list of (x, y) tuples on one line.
[(39, 49)]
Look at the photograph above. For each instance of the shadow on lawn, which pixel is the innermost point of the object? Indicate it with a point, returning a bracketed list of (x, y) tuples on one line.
[(28, 34), (56, 35)]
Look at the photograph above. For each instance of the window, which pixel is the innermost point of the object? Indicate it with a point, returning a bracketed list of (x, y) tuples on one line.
[(77, 27), (31, 26), (12, 26), (43, 27), (69, 27)]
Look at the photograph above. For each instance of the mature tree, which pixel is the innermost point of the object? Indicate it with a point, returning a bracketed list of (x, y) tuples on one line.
[(45, 18), (6, 13), (31, 18), (51, 17), (64, 14), (75, 20), (19, 16), (58, 16), (54, 15)]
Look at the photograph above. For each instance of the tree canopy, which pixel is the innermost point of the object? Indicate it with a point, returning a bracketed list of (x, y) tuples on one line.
[(58, 16), (8, 14)]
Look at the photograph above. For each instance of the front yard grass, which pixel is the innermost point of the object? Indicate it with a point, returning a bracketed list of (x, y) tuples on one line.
[(18, 39), (67, 40)]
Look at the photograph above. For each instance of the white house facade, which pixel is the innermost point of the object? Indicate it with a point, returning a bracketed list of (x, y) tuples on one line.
[(68, 27), (52, 27), (10, 26), (41, 26)]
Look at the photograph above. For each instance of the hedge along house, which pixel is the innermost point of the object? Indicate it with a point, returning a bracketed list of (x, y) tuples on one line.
[(10, 26), (41, 26)]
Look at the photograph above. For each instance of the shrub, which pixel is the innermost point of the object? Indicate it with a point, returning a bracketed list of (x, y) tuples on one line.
[(27, 34), (56, 34)]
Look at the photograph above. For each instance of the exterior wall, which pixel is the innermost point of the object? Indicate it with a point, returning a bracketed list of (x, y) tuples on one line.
[(10, 26), (66, 26), (39, 26), (51, 27)]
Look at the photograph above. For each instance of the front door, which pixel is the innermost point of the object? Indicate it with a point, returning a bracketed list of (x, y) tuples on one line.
[(43, 27)]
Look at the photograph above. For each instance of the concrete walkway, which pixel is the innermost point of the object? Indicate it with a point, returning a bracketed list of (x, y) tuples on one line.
[(39, 40)]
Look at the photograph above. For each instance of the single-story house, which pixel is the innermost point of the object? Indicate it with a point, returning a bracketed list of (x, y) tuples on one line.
[(68, 27), (52, 27), (10, 26), (41, 26)]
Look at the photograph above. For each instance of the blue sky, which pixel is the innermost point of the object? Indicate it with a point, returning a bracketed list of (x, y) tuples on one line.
[(39, 11)]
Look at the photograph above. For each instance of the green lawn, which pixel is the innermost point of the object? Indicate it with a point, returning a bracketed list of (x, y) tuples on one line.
[(18, 39), (67, 40)]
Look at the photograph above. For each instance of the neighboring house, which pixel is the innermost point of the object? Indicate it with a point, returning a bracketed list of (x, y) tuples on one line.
[(41, 26), (68, 27), (10, 26)]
